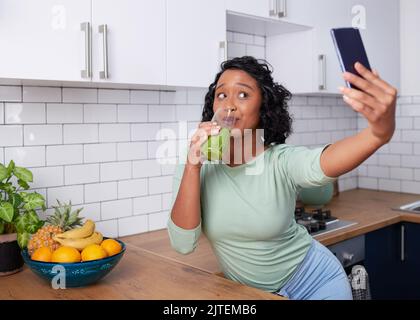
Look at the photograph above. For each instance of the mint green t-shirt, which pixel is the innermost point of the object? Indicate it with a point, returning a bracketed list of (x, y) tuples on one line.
[(247, 213)]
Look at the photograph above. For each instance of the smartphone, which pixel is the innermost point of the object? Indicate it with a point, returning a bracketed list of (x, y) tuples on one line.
[(350, 49)]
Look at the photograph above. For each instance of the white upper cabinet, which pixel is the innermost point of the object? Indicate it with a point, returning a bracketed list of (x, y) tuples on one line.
[(293, 11), (43, 40), (129, 41), (306, 62), (379, 24), (196, 41)]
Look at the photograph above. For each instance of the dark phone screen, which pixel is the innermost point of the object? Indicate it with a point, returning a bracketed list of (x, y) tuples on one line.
[(350, 49)]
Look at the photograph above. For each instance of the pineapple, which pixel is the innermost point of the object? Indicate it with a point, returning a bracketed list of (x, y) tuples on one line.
[(61, 220)]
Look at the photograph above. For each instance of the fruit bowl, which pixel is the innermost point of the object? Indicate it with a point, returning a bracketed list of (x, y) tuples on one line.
[(77, 274)]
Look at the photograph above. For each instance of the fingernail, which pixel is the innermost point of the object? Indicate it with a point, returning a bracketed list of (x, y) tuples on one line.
[(346, 98), (214, 123), (341, 88)]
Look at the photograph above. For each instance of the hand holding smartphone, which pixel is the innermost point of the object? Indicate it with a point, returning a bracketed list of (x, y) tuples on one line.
[(350, 49)]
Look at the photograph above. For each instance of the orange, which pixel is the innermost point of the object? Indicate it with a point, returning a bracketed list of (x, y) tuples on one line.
[(93, 252), (66, 255), (42, 254), (111, 246)]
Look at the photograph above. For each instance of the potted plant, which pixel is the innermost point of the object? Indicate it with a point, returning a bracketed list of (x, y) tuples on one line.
[(18, 216)]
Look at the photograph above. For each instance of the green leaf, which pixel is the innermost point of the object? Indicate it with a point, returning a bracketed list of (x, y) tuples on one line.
[(10, 167), (23, 174), (6, 211), (21, 222), (16, 200), (23, 239), (33, 201), (3, 172), (23, 184)]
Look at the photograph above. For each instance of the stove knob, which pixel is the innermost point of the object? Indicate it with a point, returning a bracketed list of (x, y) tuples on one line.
[(347, 258)]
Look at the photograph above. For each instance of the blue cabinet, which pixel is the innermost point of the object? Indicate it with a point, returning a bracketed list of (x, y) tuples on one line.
[(392, 259)]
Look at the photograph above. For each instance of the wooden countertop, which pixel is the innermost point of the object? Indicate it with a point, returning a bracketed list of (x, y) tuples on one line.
[(139, 275), (371, 210)]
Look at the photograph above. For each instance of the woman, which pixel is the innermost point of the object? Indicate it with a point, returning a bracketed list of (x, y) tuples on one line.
[(248, 218)]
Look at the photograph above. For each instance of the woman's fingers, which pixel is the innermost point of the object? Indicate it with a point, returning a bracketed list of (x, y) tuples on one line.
[(374, 78), (358, 106), (362, 97), (363, 85)]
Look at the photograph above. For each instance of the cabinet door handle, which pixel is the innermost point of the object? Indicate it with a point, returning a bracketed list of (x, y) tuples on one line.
[(322, 58), (87, 72), (273, 7), (103, 28), (282, 8), (223, 46), (402, 243)]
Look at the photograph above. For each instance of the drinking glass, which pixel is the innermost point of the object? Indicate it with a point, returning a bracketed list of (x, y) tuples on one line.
[(214, 148)]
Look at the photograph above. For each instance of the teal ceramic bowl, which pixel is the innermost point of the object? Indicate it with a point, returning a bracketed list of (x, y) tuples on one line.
[(318, 196), (78, 274)]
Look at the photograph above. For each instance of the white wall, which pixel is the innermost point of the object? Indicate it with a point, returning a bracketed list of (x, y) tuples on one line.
[(410, 47)]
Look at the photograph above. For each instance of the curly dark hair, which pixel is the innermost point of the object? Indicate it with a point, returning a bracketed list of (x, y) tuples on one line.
[(274, 115)]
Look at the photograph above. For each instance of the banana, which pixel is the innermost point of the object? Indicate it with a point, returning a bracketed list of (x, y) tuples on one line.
[(81, 243), (83, 232)]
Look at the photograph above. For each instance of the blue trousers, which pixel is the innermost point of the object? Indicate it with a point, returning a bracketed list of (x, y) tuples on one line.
[(320, 276)]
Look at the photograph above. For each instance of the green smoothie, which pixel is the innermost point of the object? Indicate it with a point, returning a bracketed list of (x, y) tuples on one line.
[(215, 146)]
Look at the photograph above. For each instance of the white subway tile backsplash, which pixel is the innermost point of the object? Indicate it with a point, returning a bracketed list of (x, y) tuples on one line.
[(158, 221), (144, 97), (22, 113), (2, 155), (90, 211), (144, 205), (65, 194), (35, 135), (347, 184), (389, 160), (410, 187), (160, 185), (11, 136), (108, 228), (114, 132), (189, 112), (162, 113), (410, 161), (173, 97), (80, 174), (64, 113), (259, 41), (1, 113), (243, 38), (100, 192), (404, 123), (100, 152), (236, 49), (113, 96), (229, 36), (10, 93), (144, 131), (41, 94), (257, 52), (146, 168), (132, 151), (400, 148), (166, 201), (196, 96), (411, 135), (132, 188), (417, 148), (378, 172), (100, 113), (299, 100), (113, 171), (80, 133), (26, 156), (65, 154), (80, 95), (116, 209), (402, 173), (132, 113), (417, 175), (168, 166), (390, 185), (132, 225), (368, 183), (410, 110), (47, 177), (162, 149)]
